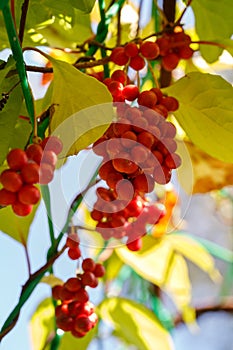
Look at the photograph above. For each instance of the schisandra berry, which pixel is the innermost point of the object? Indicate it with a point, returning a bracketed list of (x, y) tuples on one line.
[(16, 159)]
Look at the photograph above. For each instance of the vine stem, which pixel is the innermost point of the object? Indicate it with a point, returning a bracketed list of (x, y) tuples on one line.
[(18, 57), (23, 17), (27, 290)]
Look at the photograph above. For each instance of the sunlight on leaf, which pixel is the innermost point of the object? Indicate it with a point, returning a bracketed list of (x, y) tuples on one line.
[(213, 20), (137, 324), (41, 324), (82, 108), (206, 112), (51, 280), (72, 343), (83, 5), (17, 227)]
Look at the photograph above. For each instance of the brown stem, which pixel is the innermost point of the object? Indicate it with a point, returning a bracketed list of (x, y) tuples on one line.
[(177, 23), (27, 259), (24, 10), (80, 65), (12, 6), (209, 43), (139, 16), (118, 42), (169, 9), (227, 307)]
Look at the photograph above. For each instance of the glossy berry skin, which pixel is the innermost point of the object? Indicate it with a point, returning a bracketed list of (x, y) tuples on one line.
[(30, 173), (74, 253), (16, 159), (21, 209), (135, 245), (29, 194), (11, 180), (34, 152), (52, 143), (46, 173), (88, 265), (131, 49), (137, 63), (149, 50), (118, 56), (7, 197)]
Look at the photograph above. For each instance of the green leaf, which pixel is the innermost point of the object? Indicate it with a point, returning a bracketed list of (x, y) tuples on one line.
[(10, 112), (206, 112), (135, 323), (113, 266), (70, 342), (41, 324), (82, 108), (213, 21), (84, 5), (17, 227)]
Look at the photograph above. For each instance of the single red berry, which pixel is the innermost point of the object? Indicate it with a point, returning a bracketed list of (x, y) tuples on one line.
[(66, 295), (99, 270), (81, 295), (11, 180), (113, 179), (128, 139), (172, 161), (118, 56), (89, 279), (115, 87), (137, 63), (170, 61), (135, 245), (88, 264), (149, 50), (30, 173), (185, 52), (74, 253), (78, 334), (46, 173), (34, 152), (49, 157), (21, 209), (16, 159), (146, 139), (131, 49), (82, 324), (147, 99), (7, 197), (29, 194), (73, 284), (52, 143), (170, 103), (164, 45), (72, 241), (130, 92), (143, 183), (120, 76)]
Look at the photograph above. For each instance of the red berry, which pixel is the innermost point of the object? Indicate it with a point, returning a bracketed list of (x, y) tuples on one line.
[(130, 92), (162, 175), (137, 63), (73, 284), (66, 295), (146, 139), (143, 183), (115, 87), (99, 270), (139, 154), (173, 161), (72, 241), (52, 143), (118, 56), (49, 157), (34, 152), (46, 173), (16, 159), (11, 180), (124, 165), (164, 45), (149, 50), (135, 245), (21, 209), (30, 173), (120, 76), (170, 61), (185, 52), (56, 290), (131, 49), (147, 98), (29, 194), (74, 253), (7, 197), (81, 295), (170, 103), (89, 279), (88, 265), (82, 324), (128, 139)]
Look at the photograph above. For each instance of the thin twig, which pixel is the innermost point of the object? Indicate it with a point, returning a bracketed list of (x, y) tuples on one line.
[(12, 5), (24, 10), (118, 42), (153, 74), (204, 42), (177, 22), (27, 260), (139, 16)]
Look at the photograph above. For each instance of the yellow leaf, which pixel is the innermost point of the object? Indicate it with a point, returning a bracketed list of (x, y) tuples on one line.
[(51, 280), (209, 173)]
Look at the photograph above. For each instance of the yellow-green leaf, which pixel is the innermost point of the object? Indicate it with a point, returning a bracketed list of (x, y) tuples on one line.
[(194, 251), (213, 20), (83, 5), (206, 112), (17, 227), (68, 342), (82, 107), (51, 280), (135, 323), (41, 324), (208, 173)]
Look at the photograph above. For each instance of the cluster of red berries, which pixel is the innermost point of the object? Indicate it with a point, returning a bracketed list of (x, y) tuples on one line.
[(120, 87), (138, 149), (174, 45), (134, 54), (26, 168), (75, 313)]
